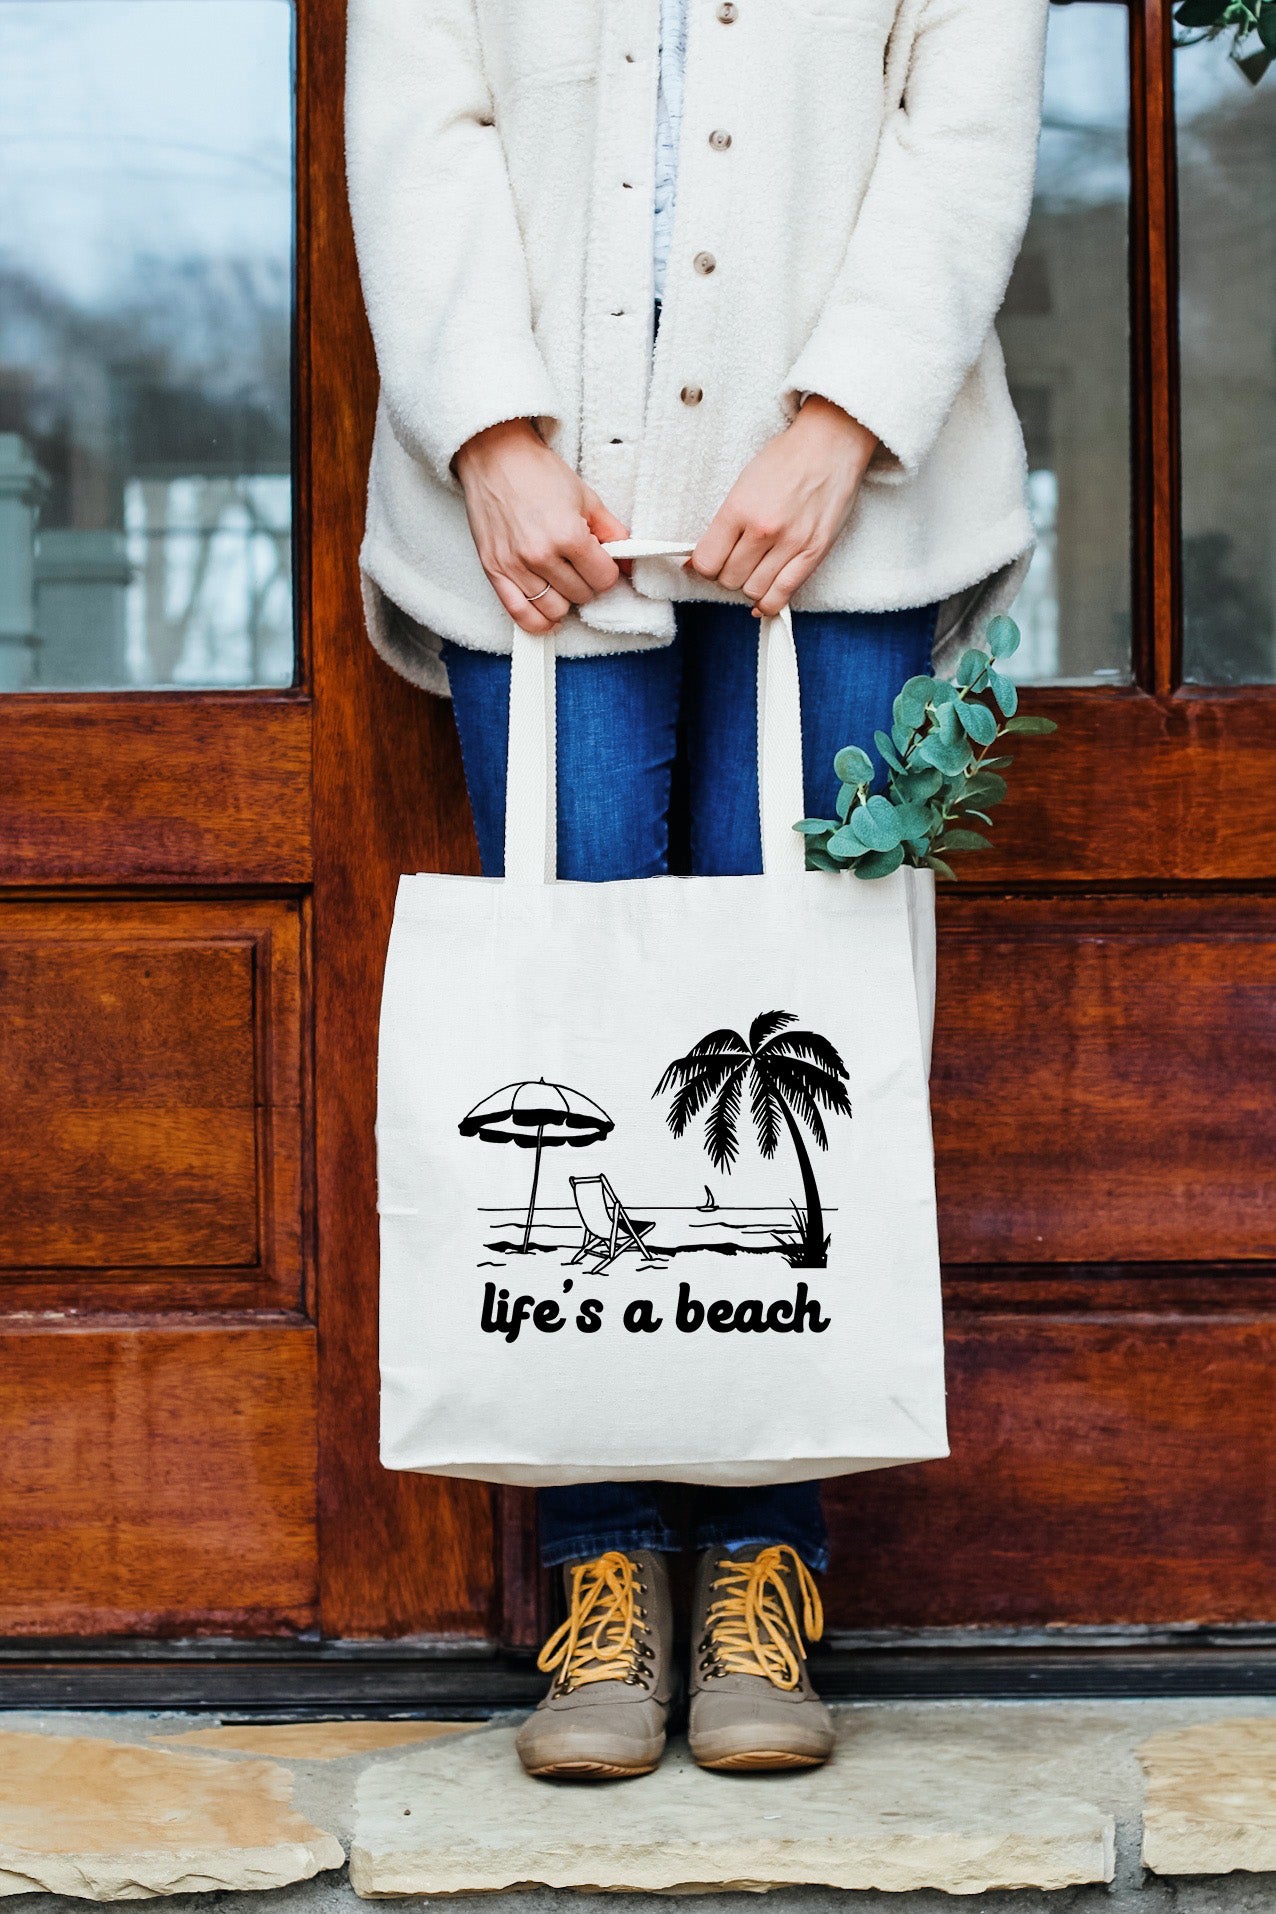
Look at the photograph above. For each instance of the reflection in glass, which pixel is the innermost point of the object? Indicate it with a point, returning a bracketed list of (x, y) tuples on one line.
[(1065, 330), (145, 340), (1227, 327)]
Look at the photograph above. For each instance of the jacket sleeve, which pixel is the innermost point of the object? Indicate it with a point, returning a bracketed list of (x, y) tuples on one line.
[(440, 254), (937, 233)]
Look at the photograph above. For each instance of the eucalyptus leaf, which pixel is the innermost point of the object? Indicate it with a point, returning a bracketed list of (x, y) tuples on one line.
[(995, 764), (986, 787), (938, 865), (941, 692), (972, 667), (977, 721), (912, 820), (845, 843), (815, 826), (910, 704), (962, 841), (853, 766), (916, 786), (887, 751), (818, 860), (1003, 690), (1003, 636), (875, 825), (948, 758), (880, 863), (846, 796), (1030, 726)]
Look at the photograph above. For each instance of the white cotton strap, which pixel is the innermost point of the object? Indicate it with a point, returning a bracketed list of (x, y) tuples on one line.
[(531, 812)]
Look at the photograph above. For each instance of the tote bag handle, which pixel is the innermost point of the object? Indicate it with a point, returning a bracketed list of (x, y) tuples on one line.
[(531, 816)]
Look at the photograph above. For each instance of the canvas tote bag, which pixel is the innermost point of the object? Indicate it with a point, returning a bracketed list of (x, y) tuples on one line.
[(656, 1183)]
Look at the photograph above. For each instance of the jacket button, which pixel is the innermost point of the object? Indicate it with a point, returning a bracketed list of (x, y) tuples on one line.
[(719, 141), (691, 395), (704, 262), (727, 12)]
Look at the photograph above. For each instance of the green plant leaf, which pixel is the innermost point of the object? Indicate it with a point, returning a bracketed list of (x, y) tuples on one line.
[(853, 766), (938, 865), (917, 786), (977, 721), (969, 811), (880, 863), (875, 825), (941, 692), (962, 841), (1200, 13), (1003, 636), (949, 758), (912, 700), (818, 860), (1267, 28), (1030, 726), (815, 826), (912, 820), (847, 794), (972, 667), (845, 844), (995, 764), (986, 787), (887, 751), (1003, 690)]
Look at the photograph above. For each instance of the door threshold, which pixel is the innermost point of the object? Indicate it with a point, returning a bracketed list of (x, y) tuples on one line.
[(472, 1680)]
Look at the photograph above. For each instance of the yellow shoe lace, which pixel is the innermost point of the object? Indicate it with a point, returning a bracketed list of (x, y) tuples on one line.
[(752, 1628), (602, 1639)]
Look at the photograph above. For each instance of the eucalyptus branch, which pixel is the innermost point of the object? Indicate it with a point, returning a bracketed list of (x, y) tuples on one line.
[(941, 774)]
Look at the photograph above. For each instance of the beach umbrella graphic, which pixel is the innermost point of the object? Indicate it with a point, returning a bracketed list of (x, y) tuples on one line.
[(536, 1116)]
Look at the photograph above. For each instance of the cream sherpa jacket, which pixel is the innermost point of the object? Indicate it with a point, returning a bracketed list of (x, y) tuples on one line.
[(852, 238)]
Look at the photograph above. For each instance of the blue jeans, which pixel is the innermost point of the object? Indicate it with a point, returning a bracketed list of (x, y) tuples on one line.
[(622, 721)]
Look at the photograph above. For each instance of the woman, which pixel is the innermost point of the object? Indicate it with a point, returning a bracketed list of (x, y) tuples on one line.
[(810, 210)]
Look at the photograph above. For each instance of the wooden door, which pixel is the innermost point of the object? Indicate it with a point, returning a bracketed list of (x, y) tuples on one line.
[(1106, 1031), (209, 787), (198, 885)]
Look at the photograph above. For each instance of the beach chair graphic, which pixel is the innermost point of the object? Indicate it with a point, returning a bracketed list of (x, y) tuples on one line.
[(609, 1228)]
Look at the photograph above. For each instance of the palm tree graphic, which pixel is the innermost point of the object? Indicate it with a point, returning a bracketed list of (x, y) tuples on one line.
[(791, 1075)]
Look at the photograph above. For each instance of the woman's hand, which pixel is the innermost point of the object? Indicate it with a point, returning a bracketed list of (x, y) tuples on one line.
[(787, 507), (535, 523)]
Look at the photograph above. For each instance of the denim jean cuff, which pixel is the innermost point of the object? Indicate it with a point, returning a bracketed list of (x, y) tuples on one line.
[(814, 1554), (584, 1548)]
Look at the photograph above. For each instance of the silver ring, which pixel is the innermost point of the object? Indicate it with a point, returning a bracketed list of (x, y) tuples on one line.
[(537, 594)]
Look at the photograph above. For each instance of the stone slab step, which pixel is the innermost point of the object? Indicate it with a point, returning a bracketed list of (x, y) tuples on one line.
[(966, 1800), (1210, 1801), (105, 1821)]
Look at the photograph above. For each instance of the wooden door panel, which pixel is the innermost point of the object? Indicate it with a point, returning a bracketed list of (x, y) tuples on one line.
[(150, 1134), (158, 1479), (162, 787), (1102, 1080), (1139, 790), (1116, 1470)]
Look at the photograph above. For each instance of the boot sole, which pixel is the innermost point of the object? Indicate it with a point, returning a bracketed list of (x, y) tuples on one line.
[(589, 1770), (761, 1760)]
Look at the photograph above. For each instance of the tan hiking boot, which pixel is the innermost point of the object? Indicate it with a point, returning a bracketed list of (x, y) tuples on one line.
[(752, 1703), (612, 1662)]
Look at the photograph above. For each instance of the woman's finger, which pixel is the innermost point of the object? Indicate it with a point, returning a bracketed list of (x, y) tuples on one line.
[(787, 581), (768, 569), (539, 618), (748, 553)]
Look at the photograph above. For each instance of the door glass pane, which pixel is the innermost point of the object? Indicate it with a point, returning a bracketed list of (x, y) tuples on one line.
[(145, 343), (1065, 330), (1227, 328)]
